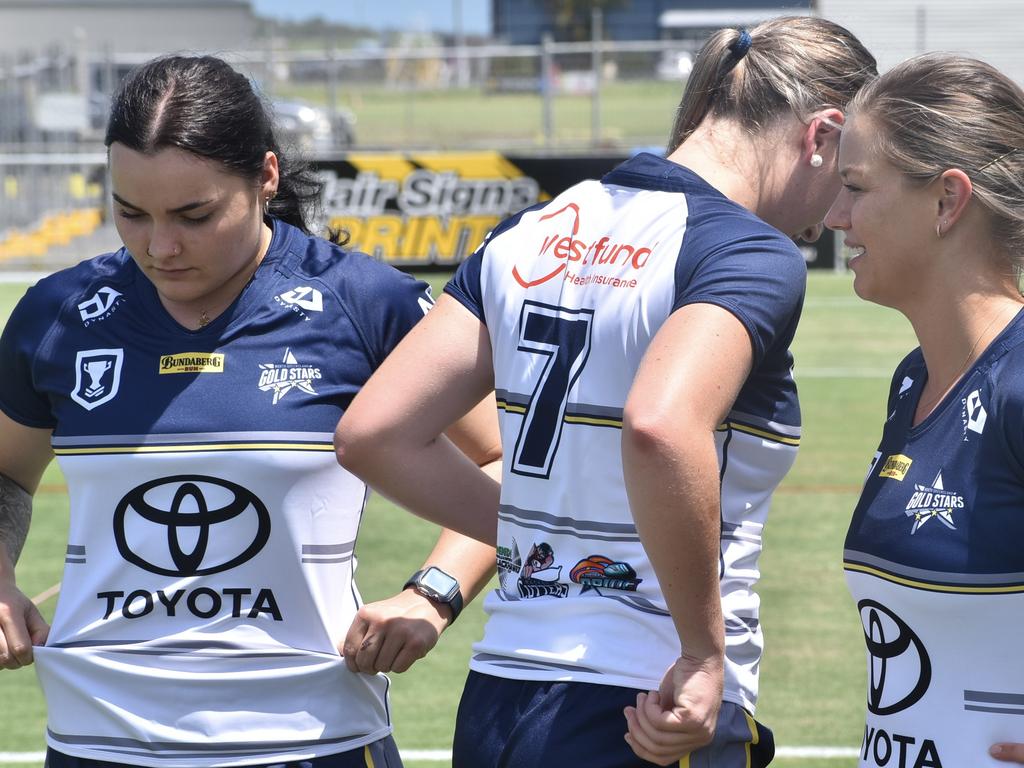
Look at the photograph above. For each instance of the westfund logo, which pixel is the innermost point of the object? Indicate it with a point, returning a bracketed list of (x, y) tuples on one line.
[(562, 246)]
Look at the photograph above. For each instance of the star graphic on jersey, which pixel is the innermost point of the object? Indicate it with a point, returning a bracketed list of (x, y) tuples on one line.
[(283, 378), (931, 503)]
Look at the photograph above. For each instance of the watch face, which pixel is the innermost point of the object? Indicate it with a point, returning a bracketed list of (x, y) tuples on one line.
[(440, 582)]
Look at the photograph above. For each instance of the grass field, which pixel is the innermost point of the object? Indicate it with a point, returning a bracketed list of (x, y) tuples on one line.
[(631, 114), (812, 673)]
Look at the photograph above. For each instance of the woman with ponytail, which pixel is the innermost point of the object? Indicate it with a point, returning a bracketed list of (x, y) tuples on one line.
[(636, 330)]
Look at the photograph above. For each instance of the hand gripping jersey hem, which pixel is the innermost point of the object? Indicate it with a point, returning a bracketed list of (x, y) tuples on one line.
[(132, 752), (524, 671)]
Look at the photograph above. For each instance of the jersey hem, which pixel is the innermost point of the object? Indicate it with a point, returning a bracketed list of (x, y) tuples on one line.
[(619, 681), (299, 753)]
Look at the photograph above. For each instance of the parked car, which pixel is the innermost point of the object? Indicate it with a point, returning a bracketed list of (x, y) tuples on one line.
[(312, 129)]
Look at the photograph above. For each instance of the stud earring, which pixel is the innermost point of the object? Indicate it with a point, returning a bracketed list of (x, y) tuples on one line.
[(816, 160)]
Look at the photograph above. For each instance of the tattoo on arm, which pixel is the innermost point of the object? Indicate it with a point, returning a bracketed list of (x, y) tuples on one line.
[(15, 516)]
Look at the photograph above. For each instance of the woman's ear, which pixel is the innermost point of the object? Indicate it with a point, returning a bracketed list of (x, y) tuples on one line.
[(821, 136), (271, 177), (954, 191)]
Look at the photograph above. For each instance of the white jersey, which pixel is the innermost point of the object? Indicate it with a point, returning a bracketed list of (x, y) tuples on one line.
[(934, 561), (209, 571), (572, 292)]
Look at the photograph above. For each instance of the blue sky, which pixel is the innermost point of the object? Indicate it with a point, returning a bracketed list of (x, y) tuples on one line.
[(436, 15)]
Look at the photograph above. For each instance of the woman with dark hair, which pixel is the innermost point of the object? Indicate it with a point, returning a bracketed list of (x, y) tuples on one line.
[(932, 205), (636, 331), (189, 385)]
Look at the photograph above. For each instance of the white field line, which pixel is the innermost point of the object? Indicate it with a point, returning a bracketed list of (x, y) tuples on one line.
[(45, 595), (445, 755)]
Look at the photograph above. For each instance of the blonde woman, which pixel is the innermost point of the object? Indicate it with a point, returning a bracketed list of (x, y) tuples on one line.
[(932, 161)]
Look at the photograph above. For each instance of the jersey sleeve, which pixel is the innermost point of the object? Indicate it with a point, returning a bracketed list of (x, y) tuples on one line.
[(384, 304), (1009, 406), (20, 344), (465, 285), (757, 274)]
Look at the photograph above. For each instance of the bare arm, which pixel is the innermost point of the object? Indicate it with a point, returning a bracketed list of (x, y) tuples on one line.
[(687, 382), (24, 454), (391, 435), (391, 635), (15, 516)]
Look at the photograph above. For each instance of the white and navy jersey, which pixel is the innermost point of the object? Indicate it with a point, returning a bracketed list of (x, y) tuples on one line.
[(935, 564), (208, 577), (572, 293)]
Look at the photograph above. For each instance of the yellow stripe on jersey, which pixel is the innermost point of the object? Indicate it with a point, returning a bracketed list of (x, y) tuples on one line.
[(775, 437), (510, 408), (685, 762), (754, 735), (135, 449), (594, 421), (367, 757), (597, 421), (929, 587)]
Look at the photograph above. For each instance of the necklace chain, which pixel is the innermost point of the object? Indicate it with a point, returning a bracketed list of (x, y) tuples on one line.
[(925, 408), (204, 319)]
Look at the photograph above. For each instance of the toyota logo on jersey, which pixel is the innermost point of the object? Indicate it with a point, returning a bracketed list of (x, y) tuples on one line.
[(190, 525), (900, 668)]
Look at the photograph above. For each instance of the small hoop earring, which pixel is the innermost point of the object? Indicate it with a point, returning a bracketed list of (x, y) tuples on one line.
[(816, 160)]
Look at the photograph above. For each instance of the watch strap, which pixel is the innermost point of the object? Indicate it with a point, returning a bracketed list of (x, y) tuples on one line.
[(454, 603)]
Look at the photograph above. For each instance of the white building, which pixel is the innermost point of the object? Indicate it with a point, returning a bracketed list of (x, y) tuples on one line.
[(125, 26), (894, 30)]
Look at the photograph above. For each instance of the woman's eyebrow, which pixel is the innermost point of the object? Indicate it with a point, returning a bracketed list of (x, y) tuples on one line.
[(179, 209)]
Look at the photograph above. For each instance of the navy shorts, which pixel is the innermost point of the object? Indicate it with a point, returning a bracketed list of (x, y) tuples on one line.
[(525, 723), (379, 754)]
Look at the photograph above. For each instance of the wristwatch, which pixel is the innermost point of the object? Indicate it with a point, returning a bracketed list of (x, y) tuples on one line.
[(436, 585)]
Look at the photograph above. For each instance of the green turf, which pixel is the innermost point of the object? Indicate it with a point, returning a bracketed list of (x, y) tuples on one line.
[(813, 670), (632, 113)]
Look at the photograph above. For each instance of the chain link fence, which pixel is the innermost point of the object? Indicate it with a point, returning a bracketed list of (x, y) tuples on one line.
[(552, 98)]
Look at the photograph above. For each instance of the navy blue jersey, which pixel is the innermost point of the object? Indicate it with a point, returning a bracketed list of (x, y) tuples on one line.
[(571, 293), (933, 559), (212, 534)]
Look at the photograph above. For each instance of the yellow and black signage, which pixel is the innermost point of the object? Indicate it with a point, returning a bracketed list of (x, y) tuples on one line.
[(434, 208), (192, 362)]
